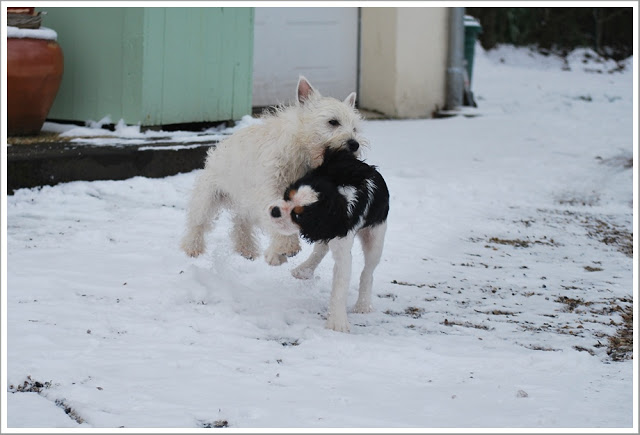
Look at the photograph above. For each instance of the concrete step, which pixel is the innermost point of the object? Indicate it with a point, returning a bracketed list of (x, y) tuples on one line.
[(34, 162)]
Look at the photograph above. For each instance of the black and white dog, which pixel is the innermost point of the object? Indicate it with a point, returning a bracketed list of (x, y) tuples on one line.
[(329, 206)]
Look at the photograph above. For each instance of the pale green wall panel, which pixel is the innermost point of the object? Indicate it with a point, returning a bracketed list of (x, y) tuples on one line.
[(186, 32), (242, 75), (132, 64), (92, 43), (154, 66), (208, 54), (153, 59)]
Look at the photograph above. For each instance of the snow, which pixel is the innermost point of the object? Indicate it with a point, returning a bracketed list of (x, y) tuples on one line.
[(581, 59), (49, 414), (94, 133), (469, 331), (41, 33)]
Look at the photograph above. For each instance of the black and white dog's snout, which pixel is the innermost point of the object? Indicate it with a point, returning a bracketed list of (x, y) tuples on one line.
[(353, 145)]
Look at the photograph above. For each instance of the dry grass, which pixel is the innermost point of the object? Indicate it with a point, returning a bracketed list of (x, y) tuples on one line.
[(29, 386), (407, 284), (448, 322), (621, 345), (584, 349), (572, 303), (413, 312), (542, 348), (519, 243), (218, 424), (69, 411), (611, 235), (498, 313), (33, 386)]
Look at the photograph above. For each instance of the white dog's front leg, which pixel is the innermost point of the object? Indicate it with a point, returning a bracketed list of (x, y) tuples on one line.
[(282, 247), (306, 269), (341, 250)]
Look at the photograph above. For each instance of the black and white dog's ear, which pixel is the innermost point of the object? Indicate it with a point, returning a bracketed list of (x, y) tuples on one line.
[(305, 90), (351, 100), (287, 193)]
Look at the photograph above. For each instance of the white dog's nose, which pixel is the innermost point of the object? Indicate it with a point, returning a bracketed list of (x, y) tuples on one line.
[(353, 145), (275, 212)]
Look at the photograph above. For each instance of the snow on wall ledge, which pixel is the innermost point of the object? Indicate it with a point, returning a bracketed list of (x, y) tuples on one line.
[(41, 33)]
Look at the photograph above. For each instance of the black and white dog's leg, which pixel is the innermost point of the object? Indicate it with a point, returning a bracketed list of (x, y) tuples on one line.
[(341, 250), (305, 270), (372, 239)]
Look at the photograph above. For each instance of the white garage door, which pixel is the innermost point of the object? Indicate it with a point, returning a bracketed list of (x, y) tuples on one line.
[(318, 43)]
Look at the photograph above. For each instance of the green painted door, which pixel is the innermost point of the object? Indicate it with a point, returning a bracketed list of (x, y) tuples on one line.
[(153, 66)]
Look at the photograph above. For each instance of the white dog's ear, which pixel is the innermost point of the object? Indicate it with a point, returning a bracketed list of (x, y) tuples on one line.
[(305, 90), (351, 100)]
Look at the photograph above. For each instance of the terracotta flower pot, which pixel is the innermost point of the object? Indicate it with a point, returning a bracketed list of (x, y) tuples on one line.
[(34, 73)]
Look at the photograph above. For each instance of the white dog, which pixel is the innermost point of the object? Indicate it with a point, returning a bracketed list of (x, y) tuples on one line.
[(247, 172)]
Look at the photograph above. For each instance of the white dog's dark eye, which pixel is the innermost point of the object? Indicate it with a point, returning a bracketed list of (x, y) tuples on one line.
[(334, 122)]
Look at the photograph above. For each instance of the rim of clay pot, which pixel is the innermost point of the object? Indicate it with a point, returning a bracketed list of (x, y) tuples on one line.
[(24, 21)]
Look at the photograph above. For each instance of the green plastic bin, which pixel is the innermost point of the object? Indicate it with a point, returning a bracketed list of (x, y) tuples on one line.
[(472, 29)]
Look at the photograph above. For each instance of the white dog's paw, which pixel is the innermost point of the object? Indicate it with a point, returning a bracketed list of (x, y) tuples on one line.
[(362, 308), (247, 250), (302, 272), (337, 323), (249, 255), (193, 246), (292, 251), (287, 245), (274, 259)]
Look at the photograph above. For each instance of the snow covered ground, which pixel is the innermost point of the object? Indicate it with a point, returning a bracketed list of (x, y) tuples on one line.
[(506, 270)]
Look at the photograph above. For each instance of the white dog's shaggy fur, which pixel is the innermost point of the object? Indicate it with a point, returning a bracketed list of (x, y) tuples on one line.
[(248, 171)]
